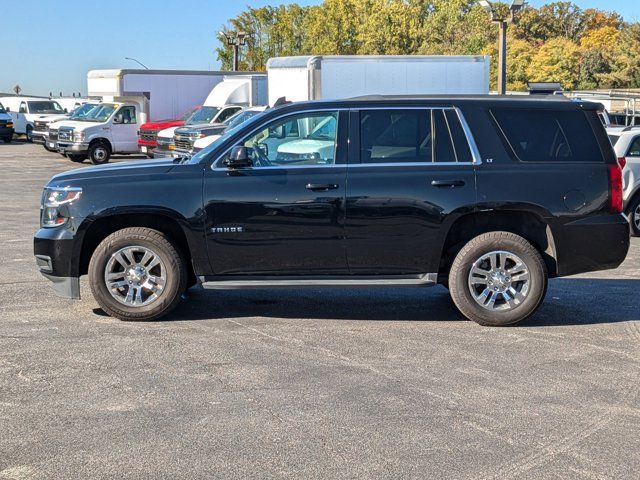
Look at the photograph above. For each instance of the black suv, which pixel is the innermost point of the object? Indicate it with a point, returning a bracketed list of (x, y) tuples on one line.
[(488, 196)]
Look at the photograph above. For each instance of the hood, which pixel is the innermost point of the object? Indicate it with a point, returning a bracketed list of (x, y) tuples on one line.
[(48, 116), (161, 124), (167, 133), (113, 170), (205, 141), (52, 118), (304, 146), (208, 128), (76, 125)]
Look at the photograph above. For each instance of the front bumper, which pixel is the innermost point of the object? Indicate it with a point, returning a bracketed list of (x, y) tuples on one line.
[(72, 147), (6, 132), (40, 137), (55, 258)]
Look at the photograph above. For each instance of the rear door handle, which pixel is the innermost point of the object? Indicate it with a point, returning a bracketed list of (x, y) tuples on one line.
[(447, 183), (321, 187)]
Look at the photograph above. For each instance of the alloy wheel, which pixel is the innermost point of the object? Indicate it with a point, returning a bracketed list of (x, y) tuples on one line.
[(135, 276), (499, 281)]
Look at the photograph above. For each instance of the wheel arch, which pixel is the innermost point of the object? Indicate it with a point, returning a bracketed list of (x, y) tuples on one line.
[(528, 223), (168, 222), (104, 140)]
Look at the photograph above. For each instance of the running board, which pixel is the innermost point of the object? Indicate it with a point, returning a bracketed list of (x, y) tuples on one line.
[(349, 281)]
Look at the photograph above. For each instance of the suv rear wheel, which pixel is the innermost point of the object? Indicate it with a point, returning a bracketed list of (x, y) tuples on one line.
[(498, 279), (137, 274)]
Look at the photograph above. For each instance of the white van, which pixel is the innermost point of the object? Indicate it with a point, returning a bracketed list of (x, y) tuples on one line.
[(110, 127), (26, 110)]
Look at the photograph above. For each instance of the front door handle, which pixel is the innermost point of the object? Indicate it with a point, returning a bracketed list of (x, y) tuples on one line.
[(447, 183), (321, 187)]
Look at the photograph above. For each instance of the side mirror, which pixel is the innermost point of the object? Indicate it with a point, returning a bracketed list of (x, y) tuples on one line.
[(117, 119), (66, 111), (240, 157), (8, 109)]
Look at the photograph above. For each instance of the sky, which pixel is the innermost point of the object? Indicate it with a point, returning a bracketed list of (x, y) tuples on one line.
[(50, 45)]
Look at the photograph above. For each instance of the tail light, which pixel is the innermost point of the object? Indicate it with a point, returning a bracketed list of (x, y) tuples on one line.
[(615, 188), (622, 161)]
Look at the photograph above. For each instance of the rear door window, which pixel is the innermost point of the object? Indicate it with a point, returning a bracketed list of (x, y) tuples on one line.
[(412, 136), (548, 135)]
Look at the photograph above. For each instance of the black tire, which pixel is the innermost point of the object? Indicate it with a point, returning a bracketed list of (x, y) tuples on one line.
[(461, 291), (149, 155), (77, 157), (99, 153), (160, 244), (29, 134), (6, 139), (634, 216)]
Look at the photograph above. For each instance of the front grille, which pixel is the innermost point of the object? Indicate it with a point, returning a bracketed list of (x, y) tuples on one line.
[(148, 135), (65, 135), (53, 134), (40, 126), (183, 143)]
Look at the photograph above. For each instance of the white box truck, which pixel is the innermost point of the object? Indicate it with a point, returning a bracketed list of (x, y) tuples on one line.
[(131, 98), (345, 76)]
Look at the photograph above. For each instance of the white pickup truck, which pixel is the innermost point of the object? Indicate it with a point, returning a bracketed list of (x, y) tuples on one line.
[(26, 110), (110, 127)]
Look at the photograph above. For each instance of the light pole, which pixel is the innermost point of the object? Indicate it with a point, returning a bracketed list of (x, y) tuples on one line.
[(137, 61), (502, 21), (236, 40)]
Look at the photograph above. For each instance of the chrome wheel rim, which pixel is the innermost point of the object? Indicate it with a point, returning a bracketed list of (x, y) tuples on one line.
[(499, 281), (636, 217), (135, 276)]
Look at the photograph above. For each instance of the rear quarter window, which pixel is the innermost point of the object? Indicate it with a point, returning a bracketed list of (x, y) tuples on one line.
[(548, 135)]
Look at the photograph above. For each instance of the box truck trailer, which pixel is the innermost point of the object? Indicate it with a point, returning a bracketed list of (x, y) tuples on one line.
[(345, 76)]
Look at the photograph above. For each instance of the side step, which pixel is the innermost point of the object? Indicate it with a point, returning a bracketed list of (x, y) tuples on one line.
[(348, 281)]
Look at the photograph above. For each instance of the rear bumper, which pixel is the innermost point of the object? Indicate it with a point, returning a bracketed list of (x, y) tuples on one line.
[(592, 244)]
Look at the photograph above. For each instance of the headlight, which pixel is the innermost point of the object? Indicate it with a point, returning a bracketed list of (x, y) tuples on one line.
[(54, 201), (78, 136)]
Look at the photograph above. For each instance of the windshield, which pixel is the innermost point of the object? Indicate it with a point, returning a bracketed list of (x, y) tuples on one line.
[(186, 115), (100, 113), (198, 157), (240, 118), (82, 111), (204, 115), (45, 106)]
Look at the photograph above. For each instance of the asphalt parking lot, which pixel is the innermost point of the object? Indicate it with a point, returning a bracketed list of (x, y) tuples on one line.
[(308, 384)]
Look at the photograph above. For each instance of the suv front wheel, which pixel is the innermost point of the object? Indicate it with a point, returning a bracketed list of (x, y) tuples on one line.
[(498, 279), (137, 274)]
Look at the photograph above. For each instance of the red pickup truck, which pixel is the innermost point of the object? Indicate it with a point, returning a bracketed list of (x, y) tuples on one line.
[(148, 133)]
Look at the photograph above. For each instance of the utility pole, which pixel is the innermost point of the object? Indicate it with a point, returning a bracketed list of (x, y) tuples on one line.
[(503, 22), (17, 89), (236, 40)]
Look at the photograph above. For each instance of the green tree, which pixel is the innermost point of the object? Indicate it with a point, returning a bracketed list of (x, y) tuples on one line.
[(558, 60)]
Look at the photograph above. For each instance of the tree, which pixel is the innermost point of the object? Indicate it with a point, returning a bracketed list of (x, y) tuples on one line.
[(558, 60), (519, 55)]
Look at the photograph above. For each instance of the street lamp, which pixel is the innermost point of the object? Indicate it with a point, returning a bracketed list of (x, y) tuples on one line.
[(503, 21), (137, 61), (236, 40)]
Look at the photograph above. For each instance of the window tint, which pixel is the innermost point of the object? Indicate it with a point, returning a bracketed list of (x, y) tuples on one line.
[(126, 115), (463, 151), (548, 135), (634, 149), (395, 136), (613, 139), (411, 136), (306, 139)]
